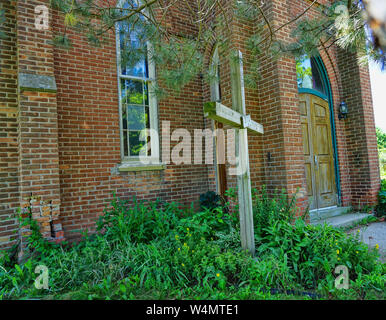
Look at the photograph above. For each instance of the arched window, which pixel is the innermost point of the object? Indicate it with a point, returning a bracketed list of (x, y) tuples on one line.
[(309, 75), (215, 87), (138, 104)]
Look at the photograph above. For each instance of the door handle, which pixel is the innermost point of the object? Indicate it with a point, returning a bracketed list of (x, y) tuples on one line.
[(316, 162)]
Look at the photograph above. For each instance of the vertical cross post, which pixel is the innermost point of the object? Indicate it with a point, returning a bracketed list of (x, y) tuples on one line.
[(242, 155)]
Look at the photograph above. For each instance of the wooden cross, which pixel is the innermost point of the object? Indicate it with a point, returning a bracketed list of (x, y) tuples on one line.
[(237, 118)]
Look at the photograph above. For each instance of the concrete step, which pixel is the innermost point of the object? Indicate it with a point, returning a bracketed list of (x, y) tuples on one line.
[(344, 220), (322, 214)]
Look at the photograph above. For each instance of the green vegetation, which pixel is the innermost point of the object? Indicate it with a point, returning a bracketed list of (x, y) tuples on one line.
[(381, 138), (381, 207), (160, 251), (2, 22)]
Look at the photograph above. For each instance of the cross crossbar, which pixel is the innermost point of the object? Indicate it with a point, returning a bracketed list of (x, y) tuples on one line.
[(225, 115)]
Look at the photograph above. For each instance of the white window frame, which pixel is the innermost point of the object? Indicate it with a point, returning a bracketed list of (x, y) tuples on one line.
[(138, 161), (215, 84)]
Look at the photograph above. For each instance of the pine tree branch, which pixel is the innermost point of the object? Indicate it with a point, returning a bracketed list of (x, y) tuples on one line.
[(289, 22)]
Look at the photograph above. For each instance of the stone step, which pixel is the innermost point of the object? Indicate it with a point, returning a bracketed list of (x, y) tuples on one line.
[(322, 214), (344, 220)]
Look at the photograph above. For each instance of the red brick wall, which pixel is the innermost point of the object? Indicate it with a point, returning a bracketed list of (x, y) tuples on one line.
[(89, 137), (362, 152), (64, 146), (278, 100), (38, 117), (9, 197)]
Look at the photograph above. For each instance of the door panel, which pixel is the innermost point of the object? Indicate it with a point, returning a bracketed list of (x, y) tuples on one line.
[(321, 140), (309, 180), (306, 140), (305, 117), (318, 152)]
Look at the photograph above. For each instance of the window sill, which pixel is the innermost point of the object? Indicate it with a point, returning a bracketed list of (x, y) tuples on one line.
[(137, 167)]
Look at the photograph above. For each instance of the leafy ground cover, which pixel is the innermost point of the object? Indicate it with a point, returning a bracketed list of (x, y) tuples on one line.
[(381, 207), (159, 251)]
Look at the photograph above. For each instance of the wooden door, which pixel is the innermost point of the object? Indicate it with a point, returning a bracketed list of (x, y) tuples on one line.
[(318, 151)]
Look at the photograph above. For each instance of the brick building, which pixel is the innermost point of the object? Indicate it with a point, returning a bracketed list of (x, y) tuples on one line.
[(64, 147)]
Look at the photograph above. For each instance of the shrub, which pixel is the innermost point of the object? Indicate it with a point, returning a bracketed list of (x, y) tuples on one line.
[(134, 242), (206, 224), (311, 253), (138, 221), (154, 251), (269, 209), (381, 207), (210, 200)]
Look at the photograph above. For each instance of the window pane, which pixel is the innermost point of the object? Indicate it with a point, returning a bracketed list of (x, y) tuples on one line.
[(219, 83), (317, 77), (146, 93), (304, 73), (128, 4), (125, 144), (124, 117), (147, 118), (137, 117), (309, 75), (133, 51), (136, 145), (136, 70), (132, 92), (215, 81)]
